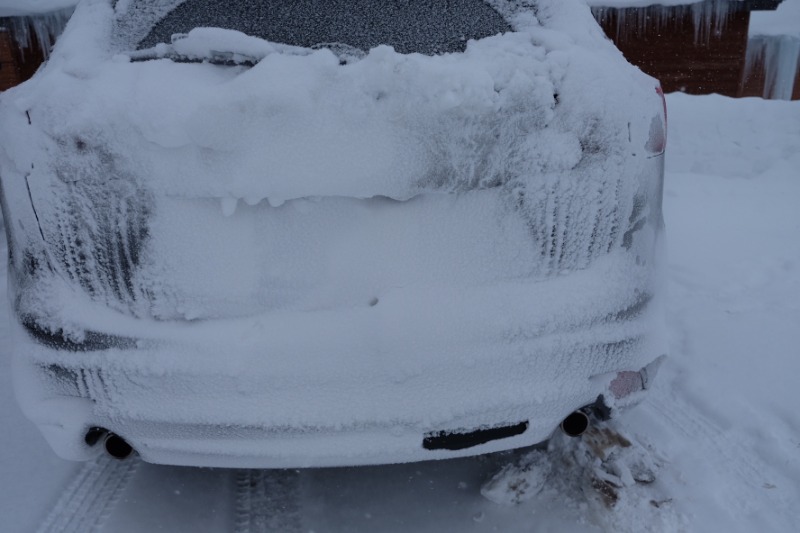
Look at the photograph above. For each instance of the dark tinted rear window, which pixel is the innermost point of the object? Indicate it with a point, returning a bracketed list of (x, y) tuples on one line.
[(424, 26)]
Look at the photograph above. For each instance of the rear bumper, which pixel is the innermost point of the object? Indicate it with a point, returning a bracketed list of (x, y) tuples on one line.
[(350, 386), (255, 446)]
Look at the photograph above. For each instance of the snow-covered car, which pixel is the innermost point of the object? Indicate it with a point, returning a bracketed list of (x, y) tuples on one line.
[(330, 232)]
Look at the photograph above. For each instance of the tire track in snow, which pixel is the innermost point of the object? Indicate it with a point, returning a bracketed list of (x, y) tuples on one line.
[(89, 499), (722, 449), (266, 500), (747, 477)]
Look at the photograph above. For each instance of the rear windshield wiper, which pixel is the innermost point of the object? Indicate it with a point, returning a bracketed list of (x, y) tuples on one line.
[(217, 46)]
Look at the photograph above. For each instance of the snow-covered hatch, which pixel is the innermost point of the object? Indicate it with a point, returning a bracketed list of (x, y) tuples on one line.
[(330, 232)]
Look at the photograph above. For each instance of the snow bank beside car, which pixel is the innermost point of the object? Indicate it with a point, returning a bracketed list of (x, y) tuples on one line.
[(726, 411), (729, 137)]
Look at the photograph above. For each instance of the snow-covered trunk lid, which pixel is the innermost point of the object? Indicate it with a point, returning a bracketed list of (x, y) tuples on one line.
[(175, 190)]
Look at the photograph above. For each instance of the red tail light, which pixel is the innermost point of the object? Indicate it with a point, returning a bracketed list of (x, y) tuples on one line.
[(626, 383)]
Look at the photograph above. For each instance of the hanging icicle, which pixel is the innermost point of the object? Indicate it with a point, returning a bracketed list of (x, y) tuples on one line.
[(709, 18), (779, 56), (38, 30)]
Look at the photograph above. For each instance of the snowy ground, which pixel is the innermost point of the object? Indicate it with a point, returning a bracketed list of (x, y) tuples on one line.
[(721, 428)]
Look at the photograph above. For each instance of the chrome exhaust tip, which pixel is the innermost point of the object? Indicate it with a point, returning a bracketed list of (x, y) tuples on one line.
[(117, 447), (575, 424)]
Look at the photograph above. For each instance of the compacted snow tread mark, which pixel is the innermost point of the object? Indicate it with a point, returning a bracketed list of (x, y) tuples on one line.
[(692, 423), (266, 500), (89, 499), (725, 451)]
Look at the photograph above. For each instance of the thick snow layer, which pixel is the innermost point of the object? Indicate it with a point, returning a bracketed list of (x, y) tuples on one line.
[(548, 117), (18, 8), (720, 425), (783, 21), (287, 142), (731, 209)]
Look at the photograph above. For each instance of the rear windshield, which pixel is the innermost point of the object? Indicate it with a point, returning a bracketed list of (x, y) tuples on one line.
[(424, 26)]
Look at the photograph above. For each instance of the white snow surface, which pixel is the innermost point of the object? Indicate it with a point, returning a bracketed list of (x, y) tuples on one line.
[(783, 21), (299, 138), (270, 125), (19, 8), (721, 423)]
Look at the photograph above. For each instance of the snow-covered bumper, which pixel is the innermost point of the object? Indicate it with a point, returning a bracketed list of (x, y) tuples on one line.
[(352, 386)]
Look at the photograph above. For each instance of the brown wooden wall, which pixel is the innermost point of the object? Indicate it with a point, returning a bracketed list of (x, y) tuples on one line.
[(9, 74), (14, 67), (666, 47)]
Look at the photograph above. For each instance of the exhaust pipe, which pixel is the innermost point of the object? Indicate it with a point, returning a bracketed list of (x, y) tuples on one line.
[(575, 424), (94, 435), (116, 446)]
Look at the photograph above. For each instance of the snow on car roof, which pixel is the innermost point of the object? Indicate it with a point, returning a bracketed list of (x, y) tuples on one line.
[(271, 124)]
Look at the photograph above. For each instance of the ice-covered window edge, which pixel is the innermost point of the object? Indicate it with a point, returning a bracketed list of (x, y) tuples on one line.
[(779, 56), (710, 17), (37, 30), (130, 30)]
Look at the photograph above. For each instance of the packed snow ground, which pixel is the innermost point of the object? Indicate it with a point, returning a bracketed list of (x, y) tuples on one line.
[(721, 429)]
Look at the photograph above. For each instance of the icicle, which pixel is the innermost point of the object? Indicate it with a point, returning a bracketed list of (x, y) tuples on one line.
[(780, 57), (709, 18), (41, 30)]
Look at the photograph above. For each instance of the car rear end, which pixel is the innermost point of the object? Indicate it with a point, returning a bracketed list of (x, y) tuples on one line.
[(339, 239)]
